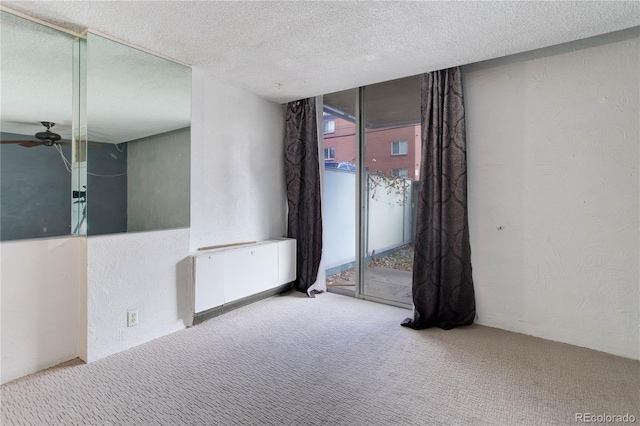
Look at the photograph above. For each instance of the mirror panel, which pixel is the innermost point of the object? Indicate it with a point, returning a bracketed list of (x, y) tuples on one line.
[(138, 151), (123, 120), (37, 86)]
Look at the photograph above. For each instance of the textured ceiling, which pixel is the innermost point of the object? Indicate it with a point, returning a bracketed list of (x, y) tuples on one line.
[(290, 50)]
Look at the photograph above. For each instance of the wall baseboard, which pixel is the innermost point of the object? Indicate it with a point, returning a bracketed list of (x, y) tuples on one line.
[(219, 310)]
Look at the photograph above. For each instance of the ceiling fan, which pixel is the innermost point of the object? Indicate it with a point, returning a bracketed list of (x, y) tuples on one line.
[(46, 138)]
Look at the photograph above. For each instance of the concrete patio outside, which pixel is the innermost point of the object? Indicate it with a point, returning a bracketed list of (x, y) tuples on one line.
[(384, 283)]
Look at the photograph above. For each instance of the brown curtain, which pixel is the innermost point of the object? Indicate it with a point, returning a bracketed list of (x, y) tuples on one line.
[(443, 293), (302, 172)]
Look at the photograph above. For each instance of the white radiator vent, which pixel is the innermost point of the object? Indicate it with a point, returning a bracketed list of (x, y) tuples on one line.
[(224, 275)]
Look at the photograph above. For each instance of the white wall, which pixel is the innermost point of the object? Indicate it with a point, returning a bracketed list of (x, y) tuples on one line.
[(145, 271), (553, 160), (158, 181), (237, 194), (41, 303), (68, 297), (237, 165)]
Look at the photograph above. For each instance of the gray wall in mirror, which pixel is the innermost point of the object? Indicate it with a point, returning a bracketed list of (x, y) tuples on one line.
[(36, 188), (158, 181), (107, 179)]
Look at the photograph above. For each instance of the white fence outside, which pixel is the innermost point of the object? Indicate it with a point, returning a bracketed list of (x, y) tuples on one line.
[(388, 222)]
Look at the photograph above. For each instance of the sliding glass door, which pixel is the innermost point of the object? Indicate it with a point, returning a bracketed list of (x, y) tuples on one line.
[(391, 156), (372, 165)]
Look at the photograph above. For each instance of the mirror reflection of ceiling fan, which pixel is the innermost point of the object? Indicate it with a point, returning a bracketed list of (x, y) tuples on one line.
[(46, 138)]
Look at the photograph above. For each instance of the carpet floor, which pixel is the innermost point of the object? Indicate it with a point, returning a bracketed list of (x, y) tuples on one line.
[(331, 360)]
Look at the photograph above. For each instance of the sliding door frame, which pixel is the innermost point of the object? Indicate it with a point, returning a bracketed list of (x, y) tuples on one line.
[(361, 206), (360, 194)]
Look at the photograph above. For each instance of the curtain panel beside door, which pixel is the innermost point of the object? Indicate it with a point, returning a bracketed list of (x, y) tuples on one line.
[(442, 289), (302, 172)]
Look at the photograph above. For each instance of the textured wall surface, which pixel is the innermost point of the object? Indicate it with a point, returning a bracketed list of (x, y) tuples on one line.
[(145, 271), (158, 182), (237, 165), (41, 284), (553, 157)]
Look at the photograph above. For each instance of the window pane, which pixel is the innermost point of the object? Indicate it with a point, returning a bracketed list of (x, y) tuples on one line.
[(399, 148), (329, 153), (329, 126), (400, 172)]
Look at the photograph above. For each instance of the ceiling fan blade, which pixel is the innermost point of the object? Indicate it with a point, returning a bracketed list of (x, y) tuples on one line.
[(32, 143), (29, 144), (15, 141), (24, 143)]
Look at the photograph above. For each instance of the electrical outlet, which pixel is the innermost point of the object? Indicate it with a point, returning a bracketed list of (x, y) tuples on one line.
[(132, 317)]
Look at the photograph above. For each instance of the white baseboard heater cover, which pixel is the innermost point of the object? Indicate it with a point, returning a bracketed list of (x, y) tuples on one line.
[(227, 274)]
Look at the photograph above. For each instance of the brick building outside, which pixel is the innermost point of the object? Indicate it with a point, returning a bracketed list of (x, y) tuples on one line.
[(392, 151)]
